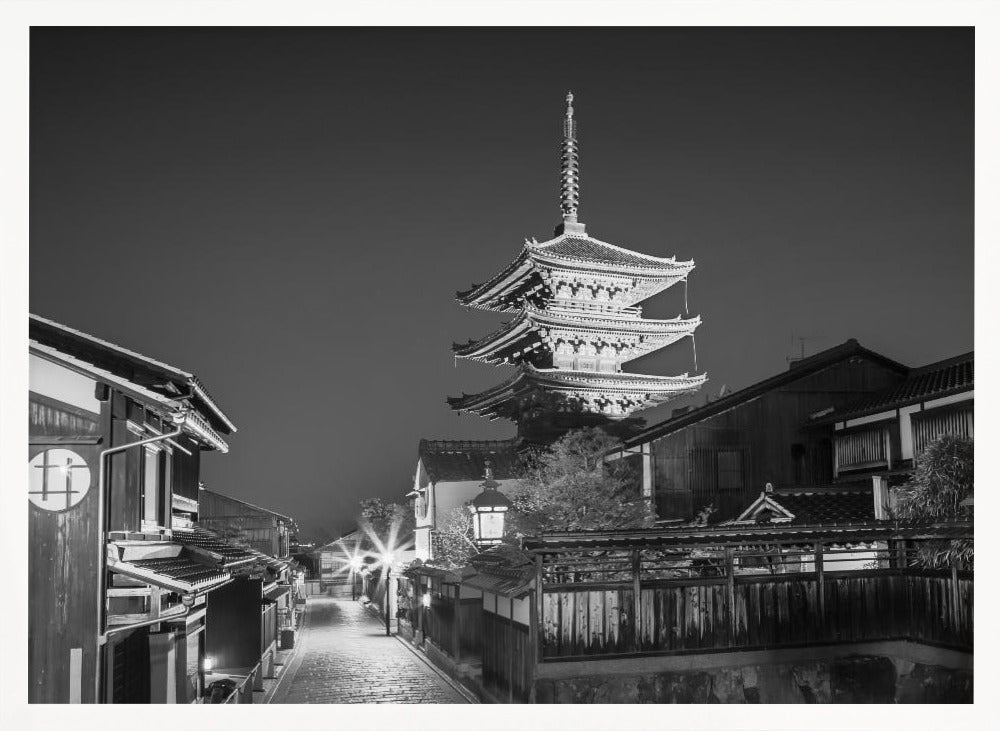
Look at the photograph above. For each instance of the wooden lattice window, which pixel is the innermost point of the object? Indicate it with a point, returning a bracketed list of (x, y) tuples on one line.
[(929, 425), (862, 449)]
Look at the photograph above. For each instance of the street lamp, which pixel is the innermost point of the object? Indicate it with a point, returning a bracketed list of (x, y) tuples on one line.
[(355, 564), (387, 559), (489, 511)]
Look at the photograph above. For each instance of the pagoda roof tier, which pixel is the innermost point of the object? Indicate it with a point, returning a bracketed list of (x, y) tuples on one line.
[(614, 394), (534, 328), (639, 276)]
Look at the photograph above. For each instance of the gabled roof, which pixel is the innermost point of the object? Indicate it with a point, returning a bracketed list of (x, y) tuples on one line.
[(159, 377), (944, 378), (824, 505), (806, 367), (462, 461)]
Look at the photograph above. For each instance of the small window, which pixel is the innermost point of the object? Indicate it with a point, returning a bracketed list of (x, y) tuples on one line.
[(152, 486)]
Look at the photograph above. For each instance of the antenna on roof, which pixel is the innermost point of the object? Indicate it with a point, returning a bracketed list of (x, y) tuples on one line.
[(801, 355), (569, 197)]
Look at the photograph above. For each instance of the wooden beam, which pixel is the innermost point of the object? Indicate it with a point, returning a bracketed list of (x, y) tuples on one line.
[(730, 596), (820, 585), (636, 599), (539, 629)]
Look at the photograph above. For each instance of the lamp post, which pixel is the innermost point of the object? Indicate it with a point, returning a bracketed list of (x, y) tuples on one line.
[(355, 566), (387, 559), (489, 511)]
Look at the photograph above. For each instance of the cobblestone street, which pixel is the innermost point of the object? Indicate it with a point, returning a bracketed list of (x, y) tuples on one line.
[(345, 657)]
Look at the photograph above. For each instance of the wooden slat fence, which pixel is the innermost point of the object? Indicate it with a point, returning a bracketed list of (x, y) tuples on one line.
[(766, 611), (439, 619), (507, 659), (470, 627)]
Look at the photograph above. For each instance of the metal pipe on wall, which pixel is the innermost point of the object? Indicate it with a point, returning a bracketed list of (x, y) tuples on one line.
[(179, 419)]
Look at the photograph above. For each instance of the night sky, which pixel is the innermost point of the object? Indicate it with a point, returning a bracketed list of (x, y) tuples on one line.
[(288, 212)]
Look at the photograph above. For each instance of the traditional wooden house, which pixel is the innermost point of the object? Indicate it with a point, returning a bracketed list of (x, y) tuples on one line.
[(272, 614), (340, 560), (449, 474), (881, 435), (723, 453), (117, 603), (251, 525)]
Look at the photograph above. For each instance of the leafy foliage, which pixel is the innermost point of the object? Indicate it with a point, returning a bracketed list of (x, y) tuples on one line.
[(943, 478), (454, 542), (570, 487)]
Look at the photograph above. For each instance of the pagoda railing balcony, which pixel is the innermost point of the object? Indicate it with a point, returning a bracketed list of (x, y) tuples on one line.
[(575, 307)]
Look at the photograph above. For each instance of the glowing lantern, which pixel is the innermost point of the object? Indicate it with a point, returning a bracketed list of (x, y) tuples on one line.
[(489, 511)]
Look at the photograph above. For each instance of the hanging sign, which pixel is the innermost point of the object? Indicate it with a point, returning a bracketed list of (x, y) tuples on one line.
[(58, 479)]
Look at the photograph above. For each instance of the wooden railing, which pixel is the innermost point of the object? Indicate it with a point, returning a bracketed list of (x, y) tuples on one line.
[(741, 612), (243, 692)]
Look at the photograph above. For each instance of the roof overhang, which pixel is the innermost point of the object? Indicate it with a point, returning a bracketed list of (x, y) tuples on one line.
[(166, 565), (194, 423)]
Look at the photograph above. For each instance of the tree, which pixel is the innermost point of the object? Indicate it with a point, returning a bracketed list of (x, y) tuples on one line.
[(569, 486), (454, 542), (391, 522), (943, 478)]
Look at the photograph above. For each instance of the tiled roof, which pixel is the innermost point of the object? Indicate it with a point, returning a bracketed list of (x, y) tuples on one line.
[(937, 379), (514, 583), (814, 363), (502, 570), (167, 564), (144, 371), (460, 461), (183, 569), (819, 506), (587, 248), (229, 554)]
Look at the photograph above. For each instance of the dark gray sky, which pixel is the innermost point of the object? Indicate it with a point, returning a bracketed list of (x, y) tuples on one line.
[(288, 212)]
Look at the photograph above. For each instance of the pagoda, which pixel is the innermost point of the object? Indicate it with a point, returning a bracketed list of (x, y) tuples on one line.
[(576, 322)]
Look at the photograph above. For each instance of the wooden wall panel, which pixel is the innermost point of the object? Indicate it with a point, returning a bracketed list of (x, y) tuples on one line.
[(63, 585), (233, 624), (766, 430), (769, 611), (186, 469)]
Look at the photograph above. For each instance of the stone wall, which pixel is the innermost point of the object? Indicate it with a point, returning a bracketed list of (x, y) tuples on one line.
[(851, 679)]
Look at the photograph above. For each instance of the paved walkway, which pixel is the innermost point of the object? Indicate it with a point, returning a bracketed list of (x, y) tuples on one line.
[(345, 657)]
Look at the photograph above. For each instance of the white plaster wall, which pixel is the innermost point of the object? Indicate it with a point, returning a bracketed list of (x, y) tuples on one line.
[(57, 382), (521, 610)]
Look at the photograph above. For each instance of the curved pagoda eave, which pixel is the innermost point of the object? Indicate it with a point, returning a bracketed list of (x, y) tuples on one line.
[(532, 331), (537, 264), (636, 390)]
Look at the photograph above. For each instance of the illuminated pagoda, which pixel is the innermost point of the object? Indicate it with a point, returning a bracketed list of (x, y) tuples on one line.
[(576, 322)]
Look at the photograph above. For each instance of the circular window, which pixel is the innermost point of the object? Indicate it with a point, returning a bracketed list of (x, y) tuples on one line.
[(58, 479)]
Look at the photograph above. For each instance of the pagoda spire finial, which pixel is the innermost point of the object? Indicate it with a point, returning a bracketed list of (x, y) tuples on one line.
[(569, 199)]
